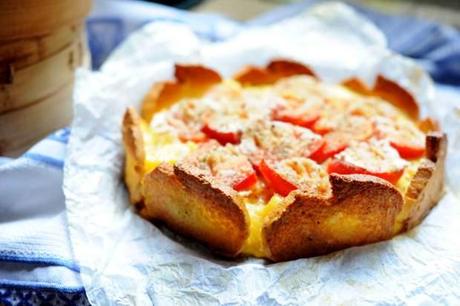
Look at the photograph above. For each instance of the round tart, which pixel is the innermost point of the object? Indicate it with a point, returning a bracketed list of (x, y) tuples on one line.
[(274, 163)]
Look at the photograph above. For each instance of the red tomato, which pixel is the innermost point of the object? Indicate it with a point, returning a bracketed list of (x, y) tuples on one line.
[(195, 137), (224, 164), (404, 137), (341, 167), (322, 127), (277, 141), (293, 116), (223, 137), (246, 183), (334, 143), (187, 132), (407, 150), (275, 181), (358, 127), (321, 130)]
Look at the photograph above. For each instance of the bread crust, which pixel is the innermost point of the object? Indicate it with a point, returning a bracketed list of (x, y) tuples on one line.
[(362, 210), (389, 91), (427, 186), (190, 81), (196, 208), (134, 161), (275, 70)]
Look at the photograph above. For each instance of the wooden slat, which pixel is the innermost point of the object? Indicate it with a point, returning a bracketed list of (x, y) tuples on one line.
[(30, 18), (20, 129), (27, 85), (25, 52)]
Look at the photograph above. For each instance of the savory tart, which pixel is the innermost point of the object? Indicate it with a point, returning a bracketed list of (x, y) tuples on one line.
[(274, 163)]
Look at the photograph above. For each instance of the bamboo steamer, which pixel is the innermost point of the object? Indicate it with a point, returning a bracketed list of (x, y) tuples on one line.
[(42, 42), (24, 52), (35, 82), (16, 126), (29, 18), (23, 126)]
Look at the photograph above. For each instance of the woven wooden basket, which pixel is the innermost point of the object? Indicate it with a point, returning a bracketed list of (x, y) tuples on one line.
[(38, 58)]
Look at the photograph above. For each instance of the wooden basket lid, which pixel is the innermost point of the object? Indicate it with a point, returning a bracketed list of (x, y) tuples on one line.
[(33, 83), (24, 52), (29, 18)]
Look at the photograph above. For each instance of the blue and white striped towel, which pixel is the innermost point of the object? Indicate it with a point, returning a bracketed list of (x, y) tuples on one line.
[(35, 251), (36, 263)]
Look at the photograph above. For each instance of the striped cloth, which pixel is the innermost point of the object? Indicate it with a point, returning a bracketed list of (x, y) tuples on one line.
[(36, 261)]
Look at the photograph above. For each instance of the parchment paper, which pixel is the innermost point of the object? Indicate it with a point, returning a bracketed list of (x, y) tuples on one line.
[(126, 260)]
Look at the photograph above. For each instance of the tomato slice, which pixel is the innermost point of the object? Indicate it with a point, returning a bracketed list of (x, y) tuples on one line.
[(303, 118), (277, 140), (298, 111), (223, 164), (342, 167), (221, 136), (187, 132), (405, 137), (321, 129), (246, 183), (334, 143), (358, 127), (195, 137), (376, 157), (295, 173), (407, 150), (339, 133), (275, 181)]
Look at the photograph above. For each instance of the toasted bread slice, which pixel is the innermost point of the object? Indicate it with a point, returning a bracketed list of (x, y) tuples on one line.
[(427, 185), (196, 208), (190, 81), (187, 203), (135, 155), (389, 91), (362, 210), (275, 70)]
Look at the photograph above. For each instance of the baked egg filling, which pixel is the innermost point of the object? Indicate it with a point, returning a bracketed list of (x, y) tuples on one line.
[(281, 130)]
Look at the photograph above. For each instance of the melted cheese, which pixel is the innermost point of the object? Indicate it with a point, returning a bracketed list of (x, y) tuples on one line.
[(162, 144), (408, 174), (258, 213), (375, 156), (162, 147)]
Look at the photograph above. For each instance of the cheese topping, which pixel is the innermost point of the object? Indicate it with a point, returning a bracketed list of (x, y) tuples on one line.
[(163, 147), (258, 214), (306, 175), (409, 172), (229, 107), (376, 156)]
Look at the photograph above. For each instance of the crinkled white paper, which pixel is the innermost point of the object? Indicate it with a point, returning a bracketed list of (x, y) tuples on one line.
[(126, 260)]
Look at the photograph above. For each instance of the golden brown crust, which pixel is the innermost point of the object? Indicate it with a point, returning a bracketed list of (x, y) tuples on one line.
[(427, 185), (196, 208), (362, 210), (190, 81), (134, 148), (274, 71), (436, 146), (389, 91), (428, 125)]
